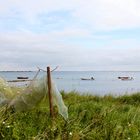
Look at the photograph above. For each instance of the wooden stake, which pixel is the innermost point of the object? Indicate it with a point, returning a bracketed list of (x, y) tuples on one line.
[(50, 91)]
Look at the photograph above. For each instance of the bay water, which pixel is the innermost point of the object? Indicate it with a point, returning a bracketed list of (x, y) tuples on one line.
[(105, 82)]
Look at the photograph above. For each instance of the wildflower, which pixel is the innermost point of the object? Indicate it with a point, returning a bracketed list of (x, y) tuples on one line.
[(70, 133)]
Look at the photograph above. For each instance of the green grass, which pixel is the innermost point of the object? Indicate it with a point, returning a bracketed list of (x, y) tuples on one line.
[(90, 118)]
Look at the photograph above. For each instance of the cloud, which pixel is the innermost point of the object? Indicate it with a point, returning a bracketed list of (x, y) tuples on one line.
[(72, 34), (25, 50), (110, 14), (99, 15)]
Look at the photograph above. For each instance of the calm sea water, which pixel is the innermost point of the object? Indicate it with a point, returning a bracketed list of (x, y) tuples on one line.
[(105, 82)]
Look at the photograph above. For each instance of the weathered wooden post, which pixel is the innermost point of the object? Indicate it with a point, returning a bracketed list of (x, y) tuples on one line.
[(50, 91)]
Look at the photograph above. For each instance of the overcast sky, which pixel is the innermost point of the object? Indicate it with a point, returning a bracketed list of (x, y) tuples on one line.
[(71, 34)]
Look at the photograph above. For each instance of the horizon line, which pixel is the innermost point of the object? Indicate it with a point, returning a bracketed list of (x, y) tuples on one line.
[(73, 70)]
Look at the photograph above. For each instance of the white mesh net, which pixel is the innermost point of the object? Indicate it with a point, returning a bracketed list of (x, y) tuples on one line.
[(31, 96)]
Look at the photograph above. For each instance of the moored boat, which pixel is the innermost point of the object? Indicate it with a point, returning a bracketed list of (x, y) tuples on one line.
[(21, 77), (126, 78), (88, 78)]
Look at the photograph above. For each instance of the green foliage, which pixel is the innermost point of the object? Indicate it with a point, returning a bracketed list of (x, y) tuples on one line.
[(90, 118)]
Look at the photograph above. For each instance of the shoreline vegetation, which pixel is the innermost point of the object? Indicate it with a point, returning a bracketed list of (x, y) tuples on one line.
[(90, 118)]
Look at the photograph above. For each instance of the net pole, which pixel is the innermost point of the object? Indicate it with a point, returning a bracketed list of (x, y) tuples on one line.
[(50, 91)]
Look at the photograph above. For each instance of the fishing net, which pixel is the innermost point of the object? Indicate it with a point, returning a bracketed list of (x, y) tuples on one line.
[(31, 96), (6, 93), (57, 100)]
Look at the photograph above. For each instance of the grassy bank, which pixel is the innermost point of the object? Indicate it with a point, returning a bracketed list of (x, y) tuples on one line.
[(90, 117)]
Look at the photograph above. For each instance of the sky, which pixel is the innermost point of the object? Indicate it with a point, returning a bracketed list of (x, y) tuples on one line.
[(75, 35)]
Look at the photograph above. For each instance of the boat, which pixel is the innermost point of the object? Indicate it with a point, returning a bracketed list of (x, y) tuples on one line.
[(20, 77), (126, 78), (87, 78)]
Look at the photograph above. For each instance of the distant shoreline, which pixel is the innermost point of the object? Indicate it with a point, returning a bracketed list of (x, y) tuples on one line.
[(71, 71), (16, 71)]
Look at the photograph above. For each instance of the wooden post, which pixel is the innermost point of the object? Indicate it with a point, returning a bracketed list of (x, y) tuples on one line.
[(50, 91)]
